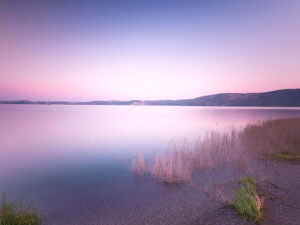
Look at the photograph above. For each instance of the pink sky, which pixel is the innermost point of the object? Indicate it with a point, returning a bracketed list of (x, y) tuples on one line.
[(80, 53)]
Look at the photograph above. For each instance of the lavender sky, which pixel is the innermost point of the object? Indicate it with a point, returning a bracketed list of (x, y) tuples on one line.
[(104, 50)]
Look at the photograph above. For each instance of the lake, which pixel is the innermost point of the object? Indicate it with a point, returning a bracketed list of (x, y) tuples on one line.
[(74, 161)]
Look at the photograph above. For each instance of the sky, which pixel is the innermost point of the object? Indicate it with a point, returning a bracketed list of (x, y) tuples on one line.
[(166, 49)]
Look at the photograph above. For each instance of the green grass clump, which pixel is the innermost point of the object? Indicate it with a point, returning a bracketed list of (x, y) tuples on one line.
[(246, 201), (247, 180), (287, 156), (18, 213)]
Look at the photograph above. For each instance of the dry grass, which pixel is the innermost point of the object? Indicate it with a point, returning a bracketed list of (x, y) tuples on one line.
[(236, 147)]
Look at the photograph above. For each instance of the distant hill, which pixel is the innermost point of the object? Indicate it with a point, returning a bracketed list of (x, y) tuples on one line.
[(286, 97), (279, 98)]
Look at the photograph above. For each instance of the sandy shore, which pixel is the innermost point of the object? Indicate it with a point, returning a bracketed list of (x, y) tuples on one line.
[(151, 203)]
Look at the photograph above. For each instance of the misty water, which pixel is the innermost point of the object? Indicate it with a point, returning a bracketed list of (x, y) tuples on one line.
[(74, 161)]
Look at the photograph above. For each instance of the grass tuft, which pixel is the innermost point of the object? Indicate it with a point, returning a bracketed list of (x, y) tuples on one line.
[(18, 213), (207, 188), (246, 201)]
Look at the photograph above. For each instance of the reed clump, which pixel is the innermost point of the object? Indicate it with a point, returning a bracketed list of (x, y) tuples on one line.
[(287, 156), (272, 137), (204, 153), (235, 147), (138, 165), (174, 167)]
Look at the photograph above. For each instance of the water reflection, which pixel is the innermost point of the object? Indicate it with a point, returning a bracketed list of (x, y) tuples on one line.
[(57, 152), (37, 135)]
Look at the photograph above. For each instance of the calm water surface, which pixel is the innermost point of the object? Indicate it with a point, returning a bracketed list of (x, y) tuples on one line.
[(74, 161)]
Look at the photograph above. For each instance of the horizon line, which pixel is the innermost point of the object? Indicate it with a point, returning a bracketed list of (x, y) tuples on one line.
[(130, 100)]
